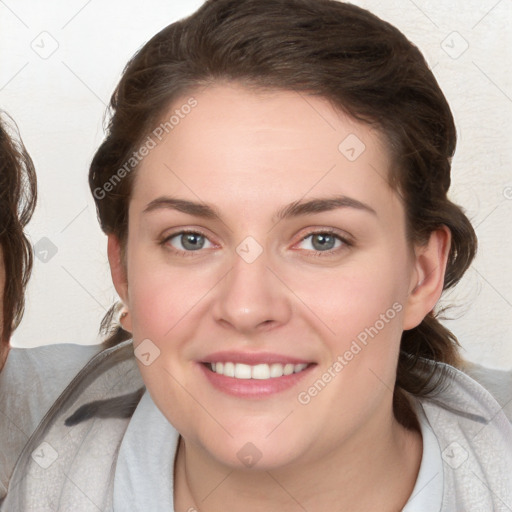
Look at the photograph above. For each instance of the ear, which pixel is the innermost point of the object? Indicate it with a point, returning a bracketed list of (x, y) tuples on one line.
[(427, 278), (118, 273)]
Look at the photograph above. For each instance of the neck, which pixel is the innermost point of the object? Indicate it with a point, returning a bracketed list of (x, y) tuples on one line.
[(375, 470)]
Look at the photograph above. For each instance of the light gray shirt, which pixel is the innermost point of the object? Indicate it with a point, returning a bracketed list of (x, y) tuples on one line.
[(30, 382), (467, 440)]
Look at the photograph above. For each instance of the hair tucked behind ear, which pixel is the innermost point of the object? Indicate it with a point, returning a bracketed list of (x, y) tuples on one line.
[(18, 192), (111, 327), (364, 66)]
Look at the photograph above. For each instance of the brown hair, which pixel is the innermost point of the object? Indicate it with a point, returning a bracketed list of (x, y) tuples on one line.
[(340, 52), (18, 192)]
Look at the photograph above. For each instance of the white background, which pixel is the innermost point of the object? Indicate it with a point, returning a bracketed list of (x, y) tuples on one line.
[(59, 103)]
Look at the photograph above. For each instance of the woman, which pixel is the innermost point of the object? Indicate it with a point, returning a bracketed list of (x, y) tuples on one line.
[(23, 373), (17, 202), (273, 187)]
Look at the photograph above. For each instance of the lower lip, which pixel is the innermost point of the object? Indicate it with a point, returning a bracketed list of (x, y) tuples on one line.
[(253, 388)]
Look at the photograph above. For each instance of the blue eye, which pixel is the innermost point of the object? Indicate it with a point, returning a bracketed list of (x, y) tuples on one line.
[(322, 242), (189, 241)]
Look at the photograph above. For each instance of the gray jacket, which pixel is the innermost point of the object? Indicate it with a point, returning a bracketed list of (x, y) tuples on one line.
[(68, 464), (70, 461)]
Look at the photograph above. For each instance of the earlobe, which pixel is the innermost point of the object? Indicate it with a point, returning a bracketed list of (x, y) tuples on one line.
[(118, 272), (428, 277), (117, 268)]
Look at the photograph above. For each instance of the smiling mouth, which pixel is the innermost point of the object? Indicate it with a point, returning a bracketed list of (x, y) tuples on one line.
[(258, 371)]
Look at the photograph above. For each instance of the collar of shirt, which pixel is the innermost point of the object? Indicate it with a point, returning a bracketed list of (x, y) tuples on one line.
[(145, 466)]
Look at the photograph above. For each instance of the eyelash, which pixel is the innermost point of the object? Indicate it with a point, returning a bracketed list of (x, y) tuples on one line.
[(165, 242), (319, 254), (345, 242)]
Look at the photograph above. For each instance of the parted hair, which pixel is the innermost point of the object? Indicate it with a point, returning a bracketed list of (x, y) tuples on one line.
[(18, 192), (362, 65)]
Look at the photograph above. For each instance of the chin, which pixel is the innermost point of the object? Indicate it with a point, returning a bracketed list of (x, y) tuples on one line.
[(255, 453)]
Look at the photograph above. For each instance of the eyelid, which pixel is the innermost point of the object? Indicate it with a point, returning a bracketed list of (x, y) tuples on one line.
[(163, 240), (346, 239)]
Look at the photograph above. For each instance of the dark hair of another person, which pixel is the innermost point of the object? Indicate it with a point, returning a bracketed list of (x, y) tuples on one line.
[(362, 65), (18, 192)]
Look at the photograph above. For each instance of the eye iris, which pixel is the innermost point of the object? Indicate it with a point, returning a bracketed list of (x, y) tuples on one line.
[(323, 241), (192, 241)]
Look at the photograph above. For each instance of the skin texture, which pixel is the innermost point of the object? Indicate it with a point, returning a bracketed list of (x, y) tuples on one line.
[(248, 155)]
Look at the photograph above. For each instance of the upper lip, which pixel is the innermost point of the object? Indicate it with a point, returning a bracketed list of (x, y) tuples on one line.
[(252, 358)]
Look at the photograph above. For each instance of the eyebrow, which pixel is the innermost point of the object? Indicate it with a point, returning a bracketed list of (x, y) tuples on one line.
[(295, 209), (182, 205), (298, 208)]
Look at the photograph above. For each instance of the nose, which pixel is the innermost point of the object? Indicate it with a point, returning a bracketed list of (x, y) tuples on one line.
[(251, 298)]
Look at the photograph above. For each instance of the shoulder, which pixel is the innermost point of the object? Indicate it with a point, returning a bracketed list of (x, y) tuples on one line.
[(475, 440), (44, 359), (93, 411), (497, 382), (32, 378), (460, 393), (30, 382)]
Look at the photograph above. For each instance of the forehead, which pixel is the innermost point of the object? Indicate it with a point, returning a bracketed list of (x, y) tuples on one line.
[(257, 146)]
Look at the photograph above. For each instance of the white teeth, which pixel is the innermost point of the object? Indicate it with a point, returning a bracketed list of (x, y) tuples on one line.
[(259, 371), (276, 370), (288, 369), (229, 369), (242, 371)]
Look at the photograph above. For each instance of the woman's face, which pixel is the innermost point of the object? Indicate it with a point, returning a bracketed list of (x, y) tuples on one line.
[(294, 258)]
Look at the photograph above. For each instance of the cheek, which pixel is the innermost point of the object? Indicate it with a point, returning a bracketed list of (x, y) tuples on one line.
[(359, 309), (158, 300), (353, 297), (162, 297)]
